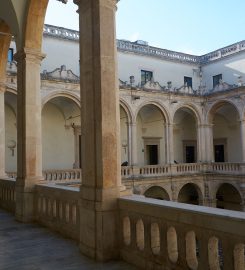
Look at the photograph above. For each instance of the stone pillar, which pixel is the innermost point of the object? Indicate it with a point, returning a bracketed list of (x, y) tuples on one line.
[(170, 143), (134, 150), (29, 133), (209, 143), (129, 137), (201, 144), (242, 128), (2, 131), (101, 124)]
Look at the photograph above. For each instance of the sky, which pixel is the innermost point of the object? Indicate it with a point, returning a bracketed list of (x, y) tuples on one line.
[(190, 26)]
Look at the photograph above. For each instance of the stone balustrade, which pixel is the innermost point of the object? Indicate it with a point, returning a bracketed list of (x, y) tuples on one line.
[(62, 175), (167, 235), (57, 208), (127, 172), (7, 194)]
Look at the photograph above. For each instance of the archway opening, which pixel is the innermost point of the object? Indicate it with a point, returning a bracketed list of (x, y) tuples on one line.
[(125, 155), (190, 194), (226, 133), (156, 192), (61, 134), (185, 136), (151, 136), (228, 197)]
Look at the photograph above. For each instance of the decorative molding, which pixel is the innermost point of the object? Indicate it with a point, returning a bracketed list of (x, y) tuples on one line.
[(60, 74)]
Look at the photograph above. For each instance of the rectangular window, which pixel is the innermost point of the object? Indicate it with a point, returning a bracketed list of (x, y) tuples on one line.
[(216, 79), (10, 55), (188, 81), (146, 76)]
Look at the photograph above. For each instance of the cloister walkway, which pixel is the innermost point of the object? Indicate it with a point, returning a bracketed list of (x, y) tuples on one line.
[(31, 247)]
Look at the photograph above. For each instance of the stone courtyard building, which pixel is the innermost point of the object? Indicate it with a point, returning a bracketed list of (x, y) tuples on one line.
[(74, 149)]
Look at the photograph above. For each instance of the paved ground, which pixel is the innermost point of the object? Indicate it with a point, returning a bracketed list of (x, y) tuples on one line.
[(30, 247)]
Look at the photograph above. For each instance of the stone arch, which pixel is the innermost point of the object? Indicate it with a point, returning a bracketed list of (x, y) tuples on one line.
[(228, 196), (152, 134), (61, 133), (56, 94), (185, 135), (127, 109), (34, 24), (157, 192), (213, 109), (162, 109), (190, 193), (190, 107)]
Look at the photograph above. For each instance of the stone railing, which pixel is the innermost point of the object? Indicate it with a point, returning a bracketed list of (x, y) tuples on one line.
[(130, 172), (167, 235), (62, 175), (223, 52), (7, 194), (57, 208), (124, 45), (60, 32)]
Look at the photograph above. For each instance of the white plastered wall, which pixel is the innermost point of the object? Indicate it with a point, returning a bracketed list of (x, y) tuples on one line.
[(230, 68), (58, 141), (130, 64)]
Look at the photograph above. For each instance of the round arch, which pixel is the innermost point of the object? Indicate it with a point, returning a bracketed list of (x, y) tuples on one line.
[(229, 197), (34, 24), (217, 105), (191, 108), (159, 106), (127, 109), (157, 192), (190, 193), (58, 94)]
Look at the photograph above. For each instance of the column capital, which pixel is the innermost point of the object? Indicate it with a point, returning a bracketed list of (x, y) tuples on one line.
[(32, 55), (107, 3)]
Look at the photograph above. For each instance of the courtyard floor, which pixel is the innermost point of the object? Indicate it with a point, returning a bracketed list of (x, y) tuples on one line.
[(31, 247)]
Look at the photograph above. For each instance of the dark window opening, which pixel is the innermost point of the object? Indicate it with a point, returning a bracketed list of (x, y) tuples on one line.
[(216, 79), (188, 81), (190, 154), (146, 76), (219, 153), (152, 152)]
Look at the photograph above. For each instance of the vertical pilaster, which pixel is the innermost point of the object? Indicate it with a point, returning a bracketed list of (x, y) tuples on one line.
[(209, 142), (29, 156), (2, 131), (129, 137), (201, 144), (134, 144), (100, 137), (170, 143)]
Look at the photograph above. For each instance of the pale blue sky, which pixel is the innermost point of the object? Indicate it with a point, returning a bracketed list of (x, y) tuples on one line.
[(191, 26)]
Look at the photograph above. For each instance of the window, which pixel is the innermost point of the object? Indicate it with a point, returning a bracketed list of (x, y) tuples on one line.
[(146, 76), (10, 55), (216, 79), (188, 80)]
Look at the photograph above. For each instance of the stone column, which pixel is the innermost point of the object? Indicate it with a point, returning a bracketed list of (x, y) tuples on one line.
[(134, 150), (170, 143), (101, 124), (129, 137), (2, 131), (242, 128), (201, 144), (209, 142), (29, 156)]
